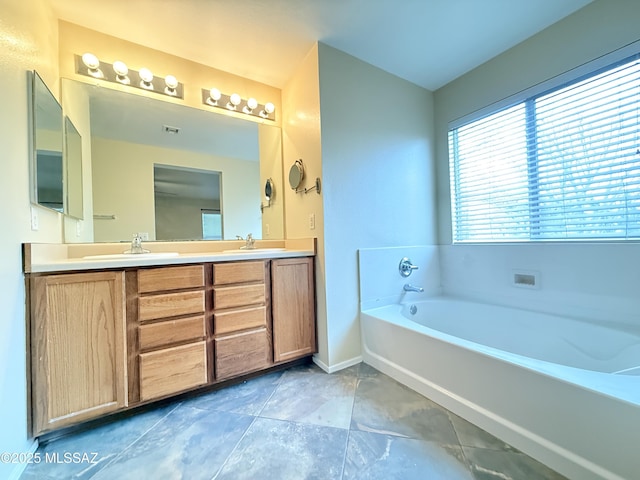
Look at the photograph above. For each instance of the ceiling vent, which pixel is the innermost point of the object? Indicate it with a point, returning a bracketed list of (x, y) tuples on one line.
[(169, 129)]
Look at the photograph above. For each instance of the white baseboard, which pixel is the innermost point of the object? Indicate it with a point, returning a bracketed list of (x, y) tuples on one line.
[(338, 366)]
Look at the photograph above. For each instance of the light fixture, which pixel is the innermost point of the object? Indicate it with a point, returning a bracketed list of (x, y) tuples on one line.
[(122, 72), (146, 79), (234, 102), (93, 65), (171, 83), (118, 72), (251, 105)]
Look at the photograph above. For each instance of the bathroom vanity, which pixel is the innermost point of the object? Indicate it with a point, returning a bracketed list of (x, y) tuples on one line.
[(111, 333)]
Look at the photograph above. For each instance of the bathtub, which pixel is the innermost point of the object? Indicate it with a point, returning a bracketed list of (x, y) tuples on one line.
[(564, 391)]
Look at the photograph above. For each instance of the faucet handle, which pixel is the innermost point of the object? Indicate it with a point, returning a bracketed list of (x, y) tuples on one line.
[(406, 267)]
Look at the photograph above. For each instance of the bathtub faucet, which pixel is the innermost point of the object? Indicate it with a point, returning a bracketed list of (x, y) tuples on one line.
[(410, 288)]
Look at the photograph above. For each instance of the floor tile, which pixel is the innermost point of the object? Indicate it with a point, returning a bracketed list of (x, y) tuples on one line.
[(248, 397), (188, 444), (282, 450), (495, 465), (317, 399), (371, 456), (107, 441), (382, 405), (471, 436), (365, 370), (296, 424)]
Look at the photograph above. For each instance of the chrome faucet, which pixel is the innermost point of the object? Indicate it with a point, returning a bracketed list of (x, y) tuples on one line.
[(249, 242), (410, 288), (136, 245)]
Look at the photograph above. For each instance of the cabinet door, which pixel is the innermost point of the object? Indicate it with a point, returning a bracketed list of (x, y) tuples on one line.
[(293, 300), (78, 347)]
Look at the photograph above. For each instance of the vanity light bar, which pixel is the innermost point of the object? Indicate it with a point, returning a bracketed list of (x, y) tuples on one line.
[(118, 72), (234, 103)]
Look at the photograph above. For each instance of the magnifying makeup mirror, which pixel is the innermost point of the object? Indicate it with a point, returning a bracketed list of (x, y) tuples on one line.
[(296, 174)]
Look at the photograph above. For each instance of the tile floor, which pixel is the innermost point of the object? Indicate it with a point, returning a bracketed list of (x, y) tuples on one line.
[(295, 424)]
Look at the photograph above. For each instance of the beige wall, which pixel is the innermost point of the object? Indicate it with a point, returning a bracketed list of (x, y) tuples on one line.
[(123, 186), (301, 140), (378, 178), (28, 41)]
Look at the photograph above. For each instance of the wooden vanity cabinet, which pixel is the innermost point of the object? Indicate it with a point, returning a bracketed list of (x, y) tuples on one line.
[(107, 340), (78, 355), (241, 319), (293, 307), (166, 317)]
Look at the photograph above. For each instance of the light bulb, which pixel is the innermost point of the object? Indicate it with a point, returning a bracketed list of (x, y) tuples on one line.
[(93, 65), (91, 61), (171, 81), (234, 101), (146, 75), (120, 68), (269, 108), (252, 103), (214, 94)]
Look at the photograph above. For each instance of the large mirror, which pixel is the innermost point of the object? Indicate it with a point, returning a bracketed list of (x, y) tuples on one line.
[(47, 185), (174, 172)]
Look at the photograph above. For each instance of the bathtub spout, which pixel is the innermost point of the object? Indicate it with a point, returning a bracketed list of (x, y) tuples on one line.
[(410, 288)]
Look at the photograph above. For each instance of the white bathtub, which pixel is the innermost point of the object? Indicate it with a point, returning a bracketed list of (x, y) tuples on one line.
[(566, 392)]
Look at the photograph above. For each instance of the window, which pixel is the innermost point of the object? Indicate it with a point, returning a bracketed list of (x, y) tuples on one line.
[(560, 165), (211, 224)]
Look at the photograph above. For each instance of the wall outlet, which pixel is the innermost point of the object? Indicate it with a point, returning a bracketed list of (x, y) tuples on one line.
[(267, 229), (78, 228), (312, 221), (35, 224), (144, 236)]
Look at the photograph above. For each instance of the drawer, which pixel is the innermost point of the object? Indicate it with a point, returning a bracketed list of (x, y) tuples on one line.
[(170, 278), (238, 296), (170, 304), (170, 332), (238, 272), (172, 370), (235, 320), (241, 353)]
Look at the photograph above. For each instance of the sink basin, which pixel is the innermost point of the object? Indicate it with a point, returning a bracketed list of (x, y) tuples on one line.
[(119, 256), (255, 250)]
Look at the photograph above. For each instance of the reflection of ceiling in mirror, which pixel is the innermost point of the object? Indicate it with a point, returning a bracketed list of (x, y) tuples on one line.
[(133, 118)]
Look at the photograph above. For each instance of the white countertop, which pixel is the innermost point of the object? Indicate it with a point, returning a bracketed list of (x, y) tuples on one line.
[(43, 258)]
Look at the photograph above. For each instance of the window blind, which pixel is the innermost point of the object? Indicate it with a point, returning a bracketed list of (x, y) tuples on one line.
[(562, 165)]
